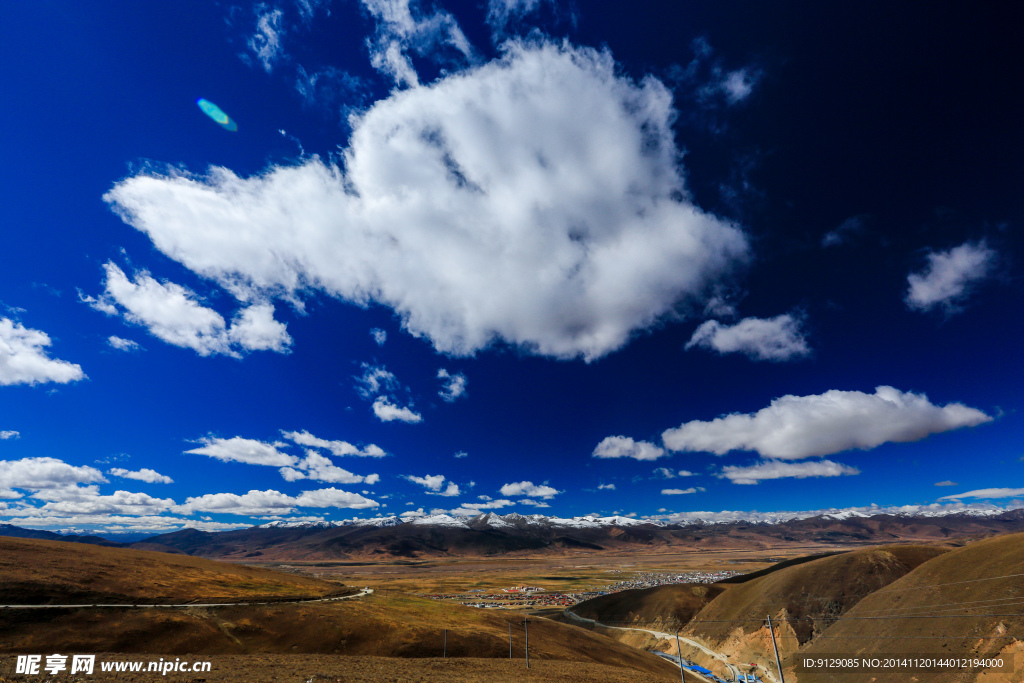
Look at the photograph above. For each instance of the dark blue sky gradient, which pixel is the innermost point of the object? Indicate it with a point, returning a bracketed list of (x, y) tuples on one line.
[(906, 115)]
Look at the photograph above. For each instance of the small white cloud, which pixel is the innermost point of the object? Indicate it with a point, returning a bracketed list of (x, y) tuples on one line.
[(265, 43), (316, 467), (528, 488), (771, 339), (123, 344), (950, 277), (680, 492), (23, 358), (339, 448), (986, 493), (795, 427), (737, 85), (173, 314), (461, 454), (413, 514), (533, 503), (685, 473), (39, 474), (380, 336), (774, 469), (388, 412), (144, 474), (249, 451), (484, 497), (9, 434), (664, 473), (625, 447), (433, 484), (453, 386), (375, 380), (606, 487), (946, 483)]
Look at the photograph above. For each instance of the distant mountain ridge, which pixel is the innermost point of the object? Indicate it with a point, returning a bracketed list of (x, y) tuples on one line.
[(491, 534)]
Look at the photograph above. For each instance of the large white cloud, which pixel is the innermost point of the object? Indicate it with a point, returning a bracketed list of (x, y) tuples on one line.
[(537, 199), (528, 488), (795, 427), (173, 314), (625, 447), (949, 276), (774, 469), (772, 339), (23, 358), (249, 451)]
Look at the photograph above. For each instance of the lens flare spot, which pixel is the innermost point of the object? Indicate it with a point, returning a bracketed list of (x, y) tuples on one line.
[(217, 114)]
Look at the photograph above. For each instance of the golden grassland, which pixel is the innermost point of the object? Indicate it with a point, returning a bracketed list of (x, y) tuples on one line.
[(34, 571)]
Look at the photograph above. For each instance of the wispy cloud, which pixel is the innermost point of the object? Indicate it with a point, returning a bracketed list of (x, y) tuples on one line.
[(774, 469), (772, 339), (452, 386), (144, 474), (122, 344), (949, 277), (265, 42), (987, 493)]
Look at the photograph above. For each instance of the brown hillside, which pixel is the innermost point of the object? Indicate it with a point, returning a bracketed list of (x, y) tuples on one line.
[(940, 608), (660, 608), (811, 593), (367, 626), (35, 571)]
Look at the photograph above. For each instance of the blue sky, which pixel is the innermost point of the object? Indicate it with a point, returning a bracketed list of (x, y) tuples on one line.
[(671, 260)]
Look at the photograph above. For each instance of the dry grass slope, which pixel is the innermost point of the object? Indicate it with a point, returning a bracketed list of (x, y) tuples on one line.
[(940, 608), (664, 608), (34, 571)]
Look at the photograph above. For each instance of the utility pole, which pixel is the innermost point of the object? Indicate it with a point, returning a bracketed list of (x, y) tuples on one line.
[(526, 628), (510, 640), (679, 651), (778, 664), (445, 656)]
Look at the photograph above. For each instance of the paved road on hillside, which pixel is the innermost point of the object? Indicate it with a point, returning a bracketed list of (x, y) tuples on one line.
[(671, 637), (364, 591)]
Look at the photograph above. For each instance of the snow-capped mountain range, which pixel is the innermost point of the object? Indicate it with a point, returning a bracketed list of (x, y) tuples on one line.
[(514, 520)]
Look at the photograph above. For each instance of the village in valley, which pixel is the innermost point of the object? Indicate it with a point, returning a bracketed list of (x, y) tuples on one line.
[(537, 597)]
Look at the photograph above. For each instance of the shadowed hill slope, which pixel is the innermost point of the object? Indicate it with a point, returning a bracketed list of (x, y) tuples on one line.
[(966, 603), (812, 593), (36, 571), (660, 608)]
